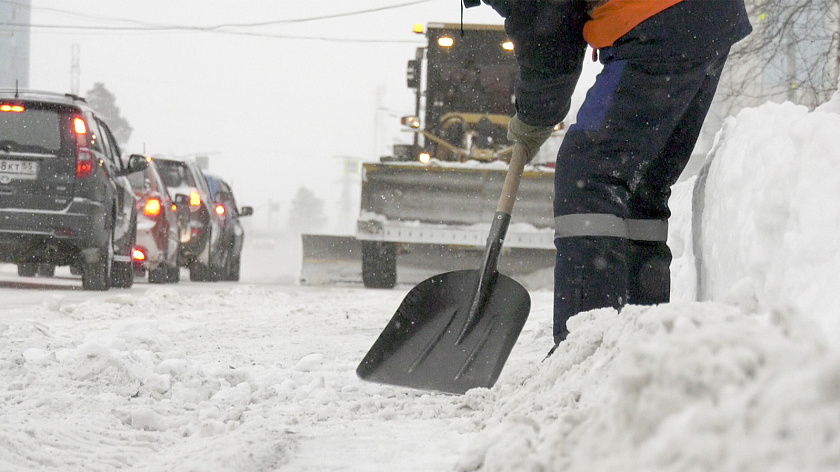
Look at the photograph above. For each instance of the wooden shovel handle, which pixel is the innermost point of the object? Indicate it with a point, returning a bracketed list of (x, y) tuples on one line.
[(514, 176)]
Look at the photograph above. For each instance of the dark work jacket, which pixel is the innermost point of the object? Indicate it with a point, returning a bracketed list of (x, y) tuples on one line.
[(550, 49)]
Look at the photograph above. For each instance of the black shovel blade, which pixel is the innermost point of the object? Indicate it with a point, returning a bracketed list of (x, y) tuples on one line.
[(419, 347)]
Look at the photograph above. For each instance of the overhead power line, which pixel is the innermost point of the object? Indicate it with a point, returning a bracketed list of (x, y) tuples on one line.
[(224, 28)]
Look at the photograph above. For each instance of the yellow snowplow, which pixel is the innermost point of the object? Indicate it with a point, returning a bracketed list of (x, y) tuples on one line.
[(427, 208)]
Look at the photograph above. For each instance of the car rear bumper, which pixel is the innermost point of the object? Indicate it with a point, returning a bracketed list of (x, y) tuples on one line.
[(148, 243), (27, 235)]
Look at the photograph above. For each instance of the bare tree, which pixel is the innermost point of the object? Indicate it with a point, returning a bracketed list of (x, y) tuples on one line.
[(103, 101), (792, 55), (307, 212)]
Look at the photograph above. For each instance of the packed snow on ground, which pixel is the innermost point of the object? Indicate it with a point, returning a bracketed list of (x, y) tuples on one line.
[(741, 372)]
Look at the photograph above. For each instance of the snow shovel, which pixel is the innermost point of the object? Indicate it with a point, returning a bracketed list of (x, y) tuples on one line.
[(454, 331)]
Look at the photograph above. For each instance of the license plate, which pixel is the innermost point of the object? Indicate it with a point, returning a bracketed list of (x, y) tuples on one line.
[(18, 169)]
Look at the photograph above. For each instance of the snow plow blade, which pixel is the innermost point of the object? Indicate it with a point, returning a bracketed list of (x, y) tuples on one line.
[(452, 194), (337, 260), (329, 259)]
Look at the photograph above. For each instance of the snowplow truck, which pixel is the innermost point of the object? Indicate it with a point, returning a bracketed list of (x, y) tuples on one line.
[(427, 208)]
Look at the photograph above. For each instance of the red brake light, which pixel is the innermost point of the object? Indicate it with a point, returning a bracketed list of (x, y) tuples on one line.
[(195, 199), (10, 107), (220, 210), (84, 162), (138, 255), (152, 207)]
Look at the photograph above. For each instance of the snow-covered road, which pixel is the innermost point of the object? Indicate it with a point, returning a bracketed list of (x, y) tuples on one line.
[(249, 376)]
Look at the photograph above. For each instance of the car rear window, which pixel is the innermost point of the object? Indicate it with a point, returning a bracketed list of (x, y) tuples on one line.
[(174, 174), (34, 130), (138, 180)]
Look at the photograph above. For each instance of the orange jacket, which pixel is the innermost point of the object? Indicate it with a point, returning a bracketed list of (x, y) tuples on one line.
[(615, 18)]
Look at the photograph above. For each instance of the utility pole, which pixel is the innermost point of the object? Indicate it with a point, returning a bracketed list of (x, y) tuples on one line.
[(75, 69), (14, 43)]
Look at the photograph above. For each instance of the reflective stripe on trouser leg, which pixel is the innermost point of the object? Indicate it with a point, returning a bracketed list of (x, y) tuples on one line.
[(596, 224)]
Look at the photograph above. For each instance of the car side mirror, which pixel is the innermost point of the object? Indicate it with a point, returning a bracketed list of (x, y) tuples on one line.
[(136, 163), (246, 211)]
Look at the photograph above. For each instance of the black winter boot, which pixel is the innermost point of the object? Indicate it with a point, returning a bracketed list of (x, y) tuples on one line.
[(590, 273), (649, 280)]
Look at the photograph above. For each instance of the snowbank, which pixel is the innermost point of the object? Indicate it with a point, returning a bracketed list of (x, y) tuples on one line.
[(749, 379)]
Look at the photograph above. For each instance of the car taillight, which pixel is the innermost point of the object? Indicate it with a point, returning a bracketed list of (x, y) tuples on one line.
[(84, 157), (12, 107), (220, 210), (138, 254), (79, 126), (84, 162), (195, 200), (152, 207)]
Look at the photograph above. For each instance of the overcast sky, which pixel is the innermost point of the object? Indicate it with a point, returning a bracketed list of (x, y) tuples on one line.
[(275, 104)]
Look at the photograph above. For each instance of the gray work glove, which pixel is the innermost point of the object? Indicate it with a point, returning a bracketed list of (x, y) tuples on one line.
[(529, 136)]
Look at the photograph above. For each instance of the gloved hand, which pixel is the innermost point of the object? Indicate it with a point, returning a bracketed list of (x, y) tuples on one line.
[(529, 136), (502, 7)]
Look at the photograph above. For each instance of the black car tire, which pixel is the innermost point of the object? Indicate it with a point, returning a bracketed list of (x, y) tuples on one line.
[(97, 275), (232, 270), (199, 272), (159, 275), (175, 271), (27, 269), (122, 274)]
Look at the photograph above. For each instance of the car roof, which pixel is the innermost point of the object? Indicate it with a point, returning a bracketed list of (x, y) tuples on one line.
[(43, 96), (184, 160)]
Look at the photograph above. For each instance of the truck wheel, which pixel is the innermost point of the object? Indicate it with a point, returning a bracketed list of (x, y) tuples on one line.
[(379, 264)]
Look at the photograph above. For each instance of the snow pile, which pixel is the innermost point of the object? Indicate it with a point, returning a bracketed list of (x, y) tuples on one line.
[(678, 387), (747, 381), (772, 202)]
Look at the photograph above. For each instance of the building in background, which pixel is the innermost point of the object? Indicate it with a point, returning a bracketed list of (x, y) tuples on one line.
[(15, 18)]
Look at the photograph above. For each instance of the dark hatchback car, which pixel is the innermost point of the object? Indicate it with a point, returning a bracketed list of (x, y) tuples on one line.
[(158, 245), (64, 195), (201, 232), (233, 234)]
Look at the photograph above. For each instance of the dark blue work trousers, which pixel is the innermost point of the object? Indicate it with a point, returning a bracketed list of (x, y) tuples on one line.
[(634, 135)]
